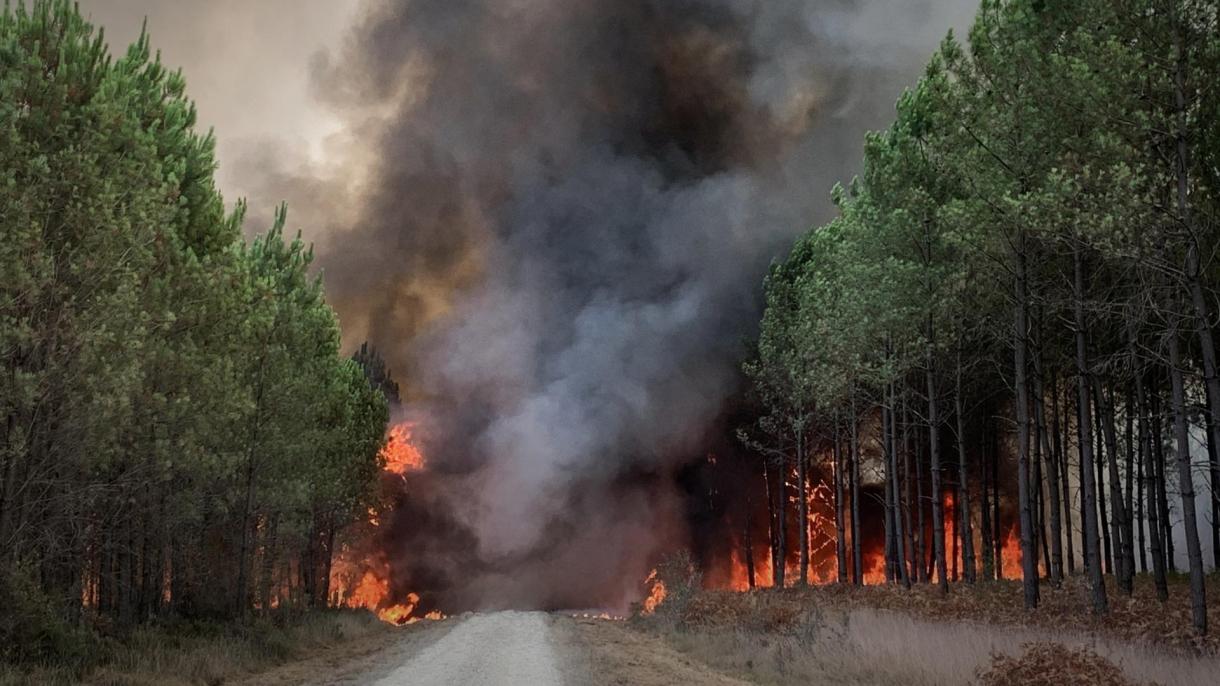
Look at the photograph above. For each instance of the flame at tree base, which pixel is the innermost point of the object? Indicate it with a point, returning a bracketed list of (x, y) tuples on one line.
[(734, 574), (400, 458)]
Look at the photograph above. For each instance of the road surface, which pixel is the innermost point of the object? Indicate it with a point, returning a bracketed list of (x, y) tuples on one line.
[(509, 648), (498, 648)]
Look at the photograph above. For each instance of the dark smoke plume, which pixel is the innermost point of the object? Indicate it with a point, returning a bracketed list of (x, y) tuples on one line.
[(554, 220)]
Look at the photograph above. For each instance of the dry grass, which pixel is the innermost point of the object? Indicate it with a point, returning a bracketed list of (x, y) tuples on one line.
[(1140, 618), (208, 654), (888, 635), (1052, 664)]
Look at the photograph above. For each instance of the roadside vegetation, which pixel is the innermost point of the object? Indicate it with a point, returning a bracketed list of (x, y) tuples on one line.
[(201, 652), (181, 441), (1009, 328), (884, 634)]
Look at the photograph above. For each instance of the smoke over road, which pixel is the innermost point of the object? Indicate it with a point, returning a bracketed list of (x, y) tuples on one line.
[(562, 213)]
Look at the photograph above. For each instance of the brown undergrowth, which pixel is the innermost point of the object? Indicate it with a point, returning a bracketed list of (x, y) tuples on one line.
[(1138, 618), (886, 634), (1052, 664)]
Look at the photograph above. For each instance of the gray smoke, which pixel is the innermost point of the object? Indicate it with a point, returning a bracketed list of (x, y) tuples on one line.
[(566, 210)]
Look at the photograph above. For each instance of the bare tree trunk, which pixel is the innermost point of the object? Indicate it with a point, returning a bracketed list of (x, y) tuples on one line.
[(771, 525), (963, 498), (1213, 461), (857, 553), (840, 528), (938, 511), (1162, 479), (1129, 492), (270, 550), (1198, 594), (802, 506), (1140, 485), (985, 522), (1029, 564), (749, 543), (1055, 540), (1118, 523), (891, 573), (1154, 526), (899, 554), (328, 557), (1092, 547), (997, 526), (1100, 462), (909, 536), (1061, 458)]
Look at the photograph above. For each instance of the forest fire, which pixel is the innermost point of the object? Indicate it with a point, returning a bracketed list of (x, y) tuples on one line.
[(656, 593), (373, 589), (400, 454), (746, 559)]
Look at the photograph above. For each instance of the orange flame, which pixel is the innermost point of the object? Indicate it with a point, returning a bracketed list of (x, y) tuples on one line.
[(656, 595), (400, 454), (401, 457)]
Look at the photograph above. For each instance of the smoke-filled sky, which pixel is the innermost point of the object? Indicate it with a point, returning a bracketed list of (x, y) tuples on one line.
[(553, 217)]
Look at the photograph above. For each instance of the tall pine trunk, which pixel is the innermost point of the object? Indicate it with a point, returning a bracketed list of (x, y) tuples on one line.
[(1029, 564), (1118, 517), (857, 552), (748, 538), (1092, 544), (909, 537), (963, 497), (802, 506), (1162, 481), (1194, 555), (1055, 539), (938, 511), (1061, 457), (840, 528), (1154, 525), (900, 560), (985, 504), (1100, 462)]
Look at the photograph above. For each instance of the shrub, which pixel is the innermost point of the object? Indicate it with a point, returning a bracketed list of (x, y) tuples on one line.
[(34, 628)]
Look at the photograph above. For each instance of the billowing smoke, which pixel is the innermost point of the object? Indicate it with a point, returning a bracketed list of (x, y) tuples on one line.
[(554, 219)]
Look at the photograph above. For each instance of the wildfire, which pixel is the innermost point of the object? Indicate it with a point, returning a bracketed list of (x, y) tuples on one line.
[(372, 591), (656, 594), (1010, 566), (400, 454)]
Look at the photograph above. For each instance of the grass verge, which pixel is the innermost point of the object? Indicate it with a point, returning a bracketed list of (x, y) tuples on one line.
[(179, 653), (884, 635)]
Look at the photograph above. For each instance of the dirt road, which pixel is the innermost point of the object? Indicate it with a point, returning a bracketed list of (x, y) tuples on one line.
[(510, 648), (499, 648)]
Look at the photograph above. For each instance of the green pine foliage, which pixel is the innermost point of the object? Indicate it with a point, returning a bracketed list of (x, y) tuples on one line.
[(1064, 139), (178, 430)]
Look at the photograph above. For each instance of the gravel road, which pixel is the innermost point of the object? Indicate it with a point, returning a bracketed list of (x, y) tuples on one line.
[(510, 648), (499, 648)]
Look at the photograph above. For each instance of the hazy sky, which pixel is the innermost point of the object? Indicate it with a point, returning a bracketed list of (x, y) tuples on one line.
[(247, 67)]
